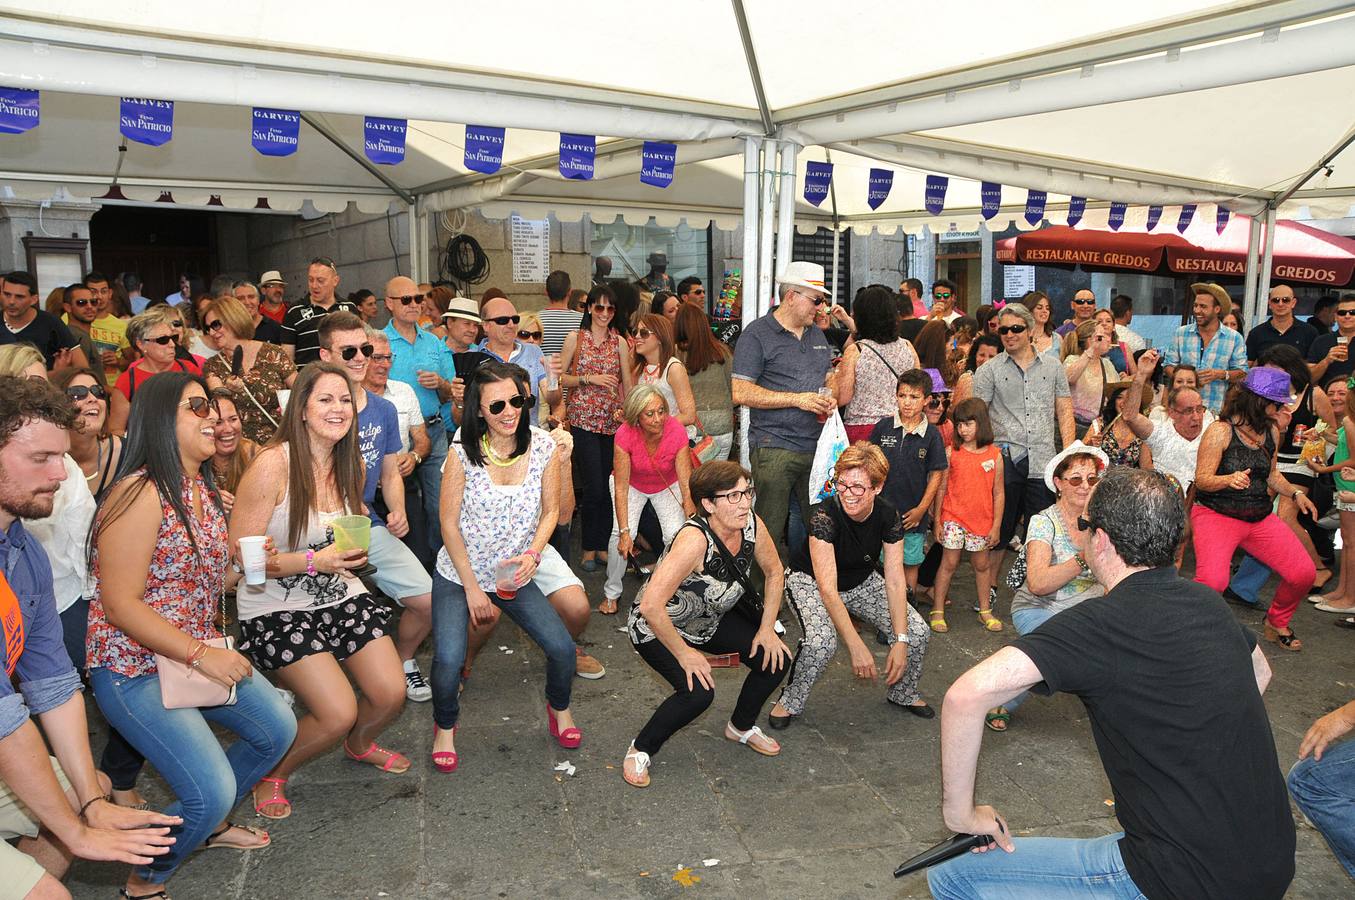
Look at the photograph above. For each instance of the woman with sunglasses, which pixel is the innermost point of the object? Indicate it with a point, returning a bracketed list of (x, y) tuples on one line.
[(529, 329), (500, 499), (255, 371), (156, 336), (597, 372), (312, 622), (1057, 577), (687, 609), (656, 364), (159, 556), (833, 577)]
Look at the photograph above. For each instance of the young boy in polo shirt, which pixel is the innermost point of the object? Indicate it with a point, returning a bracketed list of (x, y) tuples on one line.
[(917, 459)]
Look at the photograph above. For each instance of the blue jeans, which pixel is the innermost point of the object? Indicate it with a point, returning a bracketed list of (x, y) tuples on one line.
[(1249, 578), (534, 615), (1325, 790), (430, 484), (1025, 621), (1039, 869), (207, 780)]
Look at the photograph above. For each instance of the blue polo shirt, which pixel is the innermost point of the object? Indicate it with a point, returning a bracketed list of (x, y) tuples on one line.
[(427, 354), (528, 356), (771, 357), (32, 645)]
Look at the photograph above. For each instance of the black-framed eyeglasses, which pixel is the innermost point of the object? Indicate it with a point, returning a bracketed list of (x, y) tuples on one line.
[(214, 325), (737, 496), (529, 335), (851, 490), (382, 357), (199, 406), (1011, 329), (518, 401), (407, 299), (77, 392), (505, 320), (1083, 524), (162, 340), (349, 352)]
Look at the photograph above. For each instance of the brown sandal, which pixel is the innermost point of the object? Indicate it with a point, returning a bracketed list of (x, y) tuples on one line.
[(1288, 641), (607, 607), (215, 839)]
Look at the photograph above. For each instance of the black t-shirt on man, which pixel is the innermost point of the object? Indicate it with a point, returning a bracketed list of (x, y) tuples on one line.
[(46, 332), (1318, 350), (1165, 673)]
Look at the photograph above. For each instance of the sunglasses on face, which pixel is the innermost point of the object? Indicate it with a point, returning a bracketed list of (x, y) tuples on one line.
[(1345, 312), (1084, 302), (83, 303), (942, 295), (198, 406), (1076, 480), (213, 325), (517, 402), (938, 400), (642, 333), (1010, 329), (349, 352), (505, 320), (1083, 524), (603, 307), (177, 323), (529, 335), (1282, 299), (162, 340), (78, 392), (409, 298)]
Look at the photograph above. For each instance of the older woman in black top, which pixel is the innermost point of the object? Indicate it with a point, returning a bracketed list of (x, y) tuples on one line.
[(834, 577), (688, 607), (1234, 476)]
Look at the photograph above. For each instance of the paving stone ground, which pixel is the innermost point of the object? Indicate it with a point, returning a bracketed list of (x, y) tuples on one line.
[(854, 792)]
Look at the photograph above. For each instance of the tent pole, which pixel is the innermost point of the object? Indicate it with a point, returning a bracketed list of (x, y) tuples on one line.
[(356, 157), (752, 183), (785, 212), (1249, 286), (1267, 258), (415, 261), (837, 229), (770, 152)]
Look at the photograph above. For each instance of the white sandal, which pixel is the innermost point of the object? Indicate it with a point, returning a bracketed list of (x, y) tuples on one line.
[(641, 760), (746, 737)]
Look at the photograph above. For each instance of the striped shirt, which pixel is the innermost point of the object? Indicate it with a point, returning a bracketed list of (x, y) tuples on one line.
[(555, 324), (301, 325)]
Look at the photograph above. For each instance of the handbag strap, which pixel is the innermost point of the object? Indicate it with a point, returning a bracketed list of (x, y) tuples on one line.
[(871, 348), (727, 559)]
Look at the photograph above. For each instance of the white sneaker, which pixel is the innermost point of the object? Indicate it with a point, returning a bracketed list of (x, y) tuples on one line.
[(416, 688)]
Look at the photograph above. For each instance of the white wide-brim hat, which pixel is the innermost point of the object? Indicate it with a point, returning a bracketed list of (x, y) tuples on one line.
[(806, 275), (1072, 449)]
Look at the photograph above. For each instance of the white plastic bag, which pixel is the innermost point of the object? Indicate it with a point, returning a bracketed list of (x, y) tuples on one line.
[(832, 441)]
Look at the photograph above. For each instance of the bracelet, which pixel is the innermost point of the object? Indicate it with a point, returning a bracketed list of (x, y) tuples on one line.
[(105, 798), (196, 651), (310, 563), (535, 555), (418, 460)]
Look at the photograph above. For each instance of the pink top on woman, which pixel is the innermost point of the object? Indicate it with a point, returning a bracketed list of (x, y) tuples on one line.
[(183, 585), (650, 474), (593, 407)]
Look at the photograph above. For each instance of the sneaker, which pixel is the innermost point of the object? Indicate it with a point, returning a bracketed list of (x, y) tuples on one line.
[(1016, 544), (586, 666), (416, 688)]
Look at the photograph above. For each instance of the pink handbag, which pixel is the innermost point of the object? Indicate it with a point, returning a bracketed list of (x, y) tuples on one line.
[(183, 687)]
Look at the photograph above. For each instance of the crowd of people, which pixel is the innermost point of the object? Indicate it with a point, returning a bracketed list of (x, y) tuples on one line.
[(224, 510)]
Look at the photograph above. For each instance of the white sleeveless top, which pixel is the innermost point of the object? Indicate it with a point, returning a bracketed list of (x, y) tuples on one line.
[(498, 521), (660, 382)]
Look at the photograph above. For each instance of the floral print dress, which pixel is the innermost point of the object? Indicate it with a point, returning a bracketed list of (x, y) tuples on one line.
[(269, 375)]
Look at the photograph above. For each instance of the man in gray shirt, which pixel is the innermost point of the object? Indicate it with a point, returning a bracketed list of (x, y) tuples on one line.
[(781, 362), (1018, 385)]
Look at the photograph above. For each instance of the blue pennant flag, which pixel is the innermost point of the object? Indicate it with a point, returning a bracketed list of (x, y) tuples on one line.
[(1154, 214), (577, 152), (990, 194), (146, 121), (877, 191), (1076, 207), (1035, 201), (657, 162), (484, 148), (18, 110), (936, 193), (1183, 220), (383, 140), (1221, 219), (1117, 211), (818, 175), (275, 132)]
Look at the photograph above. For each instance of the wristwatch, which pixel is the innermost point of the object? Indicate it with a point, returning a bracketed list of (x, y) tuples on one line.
[(901, 638)]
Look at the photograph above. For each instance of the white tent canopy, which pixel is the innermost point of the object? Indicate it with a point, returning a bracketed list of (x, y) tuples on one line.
[(1157, 102)]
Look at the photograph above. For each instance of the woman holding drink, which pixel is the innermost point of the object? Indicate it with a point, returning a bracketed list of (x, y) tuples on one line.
[(308, 618), (500, 499)]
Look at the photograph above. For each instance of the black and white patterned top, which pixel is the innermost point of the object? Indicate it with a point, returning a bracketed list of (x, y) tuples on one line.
[(703, 597)]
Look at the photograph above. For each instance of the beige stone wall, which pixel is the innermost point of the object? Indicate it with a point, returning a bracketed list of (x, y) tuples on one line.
[(569, 250)]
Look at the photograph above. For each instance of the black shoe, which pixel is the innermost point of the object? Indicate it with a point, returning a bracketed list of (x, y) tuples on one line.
[(922, 712), (778, 723), (1233, 597)]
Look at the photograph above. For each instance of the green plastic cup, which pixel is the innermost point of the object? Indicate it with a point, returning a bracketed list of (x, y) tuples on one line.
[(352, 532)]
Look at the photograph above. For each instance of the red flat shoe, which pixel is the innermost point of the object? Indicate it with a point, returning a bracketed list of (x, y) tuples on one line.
[(444, 760), (570, 738)]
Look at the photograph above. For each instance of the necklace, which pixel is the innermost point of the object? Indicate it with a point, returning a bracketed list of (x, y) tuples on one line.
[(98, 459), (494, 458)]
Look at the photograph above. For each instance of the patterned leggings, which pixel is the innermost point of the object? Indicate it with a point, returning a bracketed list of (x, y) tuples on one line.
[(865, 601)]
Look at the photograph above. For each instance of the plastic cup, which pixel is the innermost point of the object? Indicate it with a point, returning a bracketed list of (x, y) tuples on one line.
[(283, 397), (352, 532), (824, 392), (254, 559), (552, 380), (505, 580)]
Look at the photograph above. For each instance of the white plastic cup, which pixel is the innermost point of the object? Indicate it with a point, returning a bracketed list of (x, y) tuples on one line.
[(254, 559), (552, 367), (283, 397), (505, 579)]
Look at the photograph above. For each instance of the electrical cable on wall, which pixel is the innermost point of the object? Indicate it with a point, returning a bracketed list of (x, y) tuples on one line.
[(464, 261)]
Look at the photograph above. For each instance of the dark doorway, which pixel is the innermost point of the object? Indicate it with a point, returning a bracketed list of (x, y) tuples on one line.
[(157, 244)]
